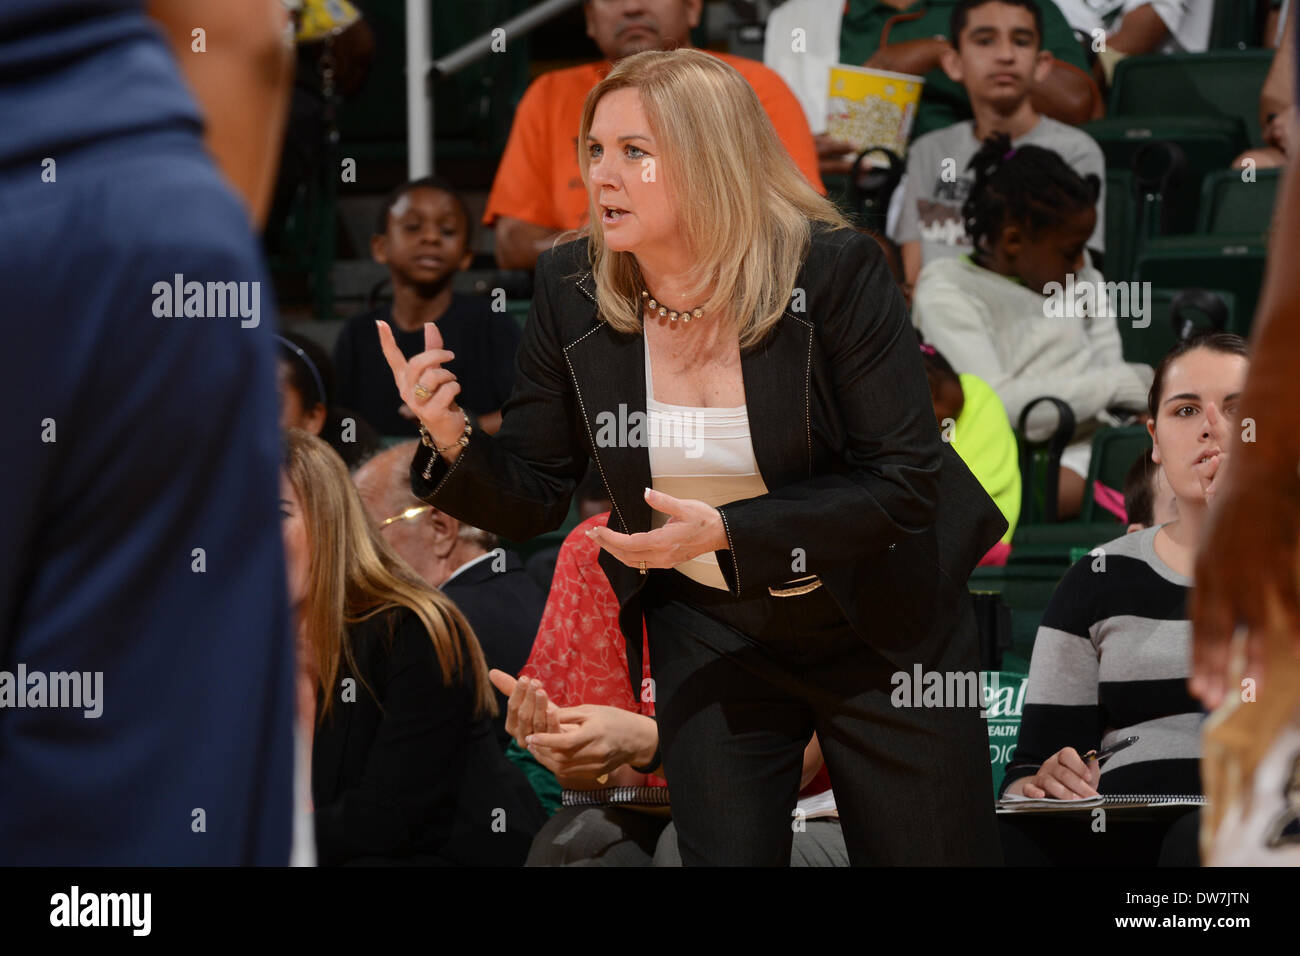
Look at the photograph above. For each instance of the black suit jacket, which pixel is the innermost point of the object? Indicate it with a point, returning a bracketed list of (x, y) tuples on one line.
[(504, 607), (413, 777), (862, 491)]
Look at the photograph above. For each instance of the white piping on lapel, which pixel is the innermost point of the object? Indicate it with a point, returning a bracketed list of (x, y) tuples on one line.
[(583, 409)]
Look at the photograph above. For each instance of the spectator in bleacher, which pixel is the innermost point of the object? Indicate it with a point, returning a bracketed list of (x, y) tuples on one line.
[(306, 378), (405, 767), (588, 730), (1112, 655), (538, 192), (910, 36), (972, 419), (998, 57), (422, 235), (1276, 107), (489, 585), (1133, 27), (1148, 499), (995, 313)]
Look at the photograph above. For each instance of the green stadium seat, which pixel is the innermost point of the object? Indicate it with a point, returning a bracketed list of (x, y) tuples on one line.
[(1209, 144), (1213, 262), (1233, 206), (1220, 83), (1151, 343), (1121, 224), (1027, 592), (1048, 546), (1113, 452), (518, 309)]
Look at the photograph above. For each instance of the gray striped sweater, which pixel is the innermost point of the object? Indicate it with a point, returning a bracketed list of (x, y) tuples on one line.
[(1111, 660)]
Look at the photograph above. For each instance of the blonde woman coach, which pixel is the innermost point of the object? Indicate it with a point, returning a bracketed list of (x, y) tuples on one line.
[(738, 363)]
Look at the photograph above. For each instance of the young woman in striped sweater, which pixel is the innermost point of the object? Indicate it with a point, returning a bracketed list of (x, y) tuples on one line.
[(1113, 653)]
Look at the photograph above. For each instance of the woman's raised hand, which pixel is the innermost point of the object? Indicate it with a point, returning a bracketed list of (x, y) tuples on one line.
[(426, 387), (1210, 471)]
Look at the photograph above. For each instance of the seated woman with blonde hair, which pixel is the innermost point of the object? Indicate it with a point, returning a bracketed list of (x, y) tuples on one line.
[(405, 767)]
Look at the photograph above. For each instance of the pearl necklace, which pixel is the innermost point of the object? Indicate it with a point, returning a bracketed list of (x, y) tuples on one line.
[(685, 314)]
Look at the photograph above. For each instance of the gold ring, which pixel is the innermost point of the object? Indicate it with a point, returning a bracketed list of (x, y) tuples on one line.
[(643, 567), (421, 391)]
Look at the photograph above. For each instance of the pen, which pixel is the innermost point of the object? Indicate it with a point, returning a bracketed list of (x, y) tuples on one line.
[(1101, 755)]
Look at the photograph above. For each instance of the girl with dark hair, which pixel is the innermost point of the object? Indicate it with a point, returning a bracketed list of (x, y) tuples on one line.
[(1113, 653), (1002, 312)]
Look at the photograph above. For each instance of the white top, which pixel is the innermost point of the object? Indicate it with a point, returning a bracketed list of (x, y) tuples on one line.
[(804, 61), (703, 454), (1009, 335), (1188, 21)]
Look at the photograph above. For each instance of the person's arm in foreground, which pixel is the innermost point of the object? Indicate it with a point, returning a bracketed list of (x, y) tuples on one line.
[(1246, 568), (241, 77)]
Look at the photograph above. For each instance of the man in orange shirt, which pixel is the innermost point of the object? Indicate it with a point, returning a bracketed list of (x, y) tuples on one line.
[(538, 190)]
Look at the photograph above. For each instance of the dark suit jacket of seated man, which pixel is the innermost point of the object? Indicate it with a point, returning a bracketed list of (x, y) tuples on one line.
[(504, 606)]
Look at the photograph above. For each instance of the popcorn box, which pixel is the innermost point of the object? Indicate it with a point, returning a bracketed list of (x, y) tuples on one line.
[(871, 108)]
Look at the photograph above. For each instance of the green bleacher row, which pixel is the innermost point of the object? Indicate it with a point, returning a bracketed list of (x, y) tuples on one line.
[(1176, 215)]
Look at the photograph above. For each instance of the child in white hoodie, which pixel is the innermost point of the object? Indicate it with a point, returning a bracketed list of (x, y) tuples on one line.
[(1024, 313)]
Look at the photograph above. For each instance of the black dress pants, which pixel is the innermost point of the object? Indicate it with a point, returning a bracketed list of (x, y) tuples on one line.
[(740, 687)]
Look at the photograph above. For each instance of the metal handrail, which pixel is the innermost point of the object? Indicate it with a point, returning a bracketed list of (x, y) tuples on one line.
[(422, 70)]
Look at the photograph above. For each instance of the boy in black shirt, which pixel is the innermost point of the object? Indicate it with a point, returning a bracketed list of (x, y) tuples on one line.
[(423, 236)]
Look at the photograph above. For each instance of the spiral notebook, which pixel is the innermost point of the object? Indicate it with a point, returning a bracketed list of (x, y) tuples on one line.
[(652, 799), (1014, 803)]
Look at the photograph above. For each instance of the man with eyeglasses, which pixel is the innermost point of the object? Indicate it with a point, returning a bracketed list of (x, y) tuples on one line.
[(489, 584)]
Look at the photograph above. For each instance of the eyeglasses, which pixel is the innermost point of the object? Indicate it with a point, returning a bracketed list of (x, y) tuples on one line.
[(407, 515)]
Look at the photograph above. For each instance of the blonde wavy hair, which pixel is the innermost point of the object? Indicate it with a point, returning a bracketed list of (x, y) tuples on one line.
[(354, 575), (745, 208)]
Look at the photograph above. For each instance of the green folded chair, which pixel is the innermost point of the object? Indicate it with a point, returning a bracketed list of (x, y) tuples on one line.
[(1121, 224), (518, 310), (1113, 452), (1207, 144), (1027, 592), (1235, 265), (1218, 83), (1150, 343), (1233, 206)]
